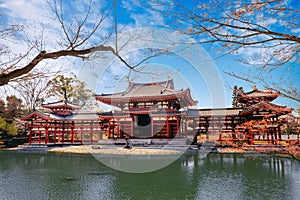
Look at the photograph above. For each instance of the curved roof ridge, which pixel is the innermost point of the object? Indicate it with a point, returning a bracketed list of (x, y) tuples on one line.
[(261, 91), (146, 83), (61, 103), (169, 85)]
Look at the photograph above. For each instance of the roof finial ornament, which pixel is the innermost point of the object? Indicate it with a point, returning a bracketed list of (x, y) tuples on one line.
[(254, 88), (63, 99)]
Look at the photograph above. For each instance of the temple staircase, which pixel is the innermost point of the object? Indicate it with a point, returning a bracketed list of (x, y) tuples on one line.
[(33, 147), (179, 144)]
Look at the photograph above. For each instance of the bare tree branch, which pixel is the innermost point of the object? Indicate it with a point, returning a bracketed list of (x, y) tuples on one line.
[(75, 39), (6, 77), (290, 92), (239, 24)]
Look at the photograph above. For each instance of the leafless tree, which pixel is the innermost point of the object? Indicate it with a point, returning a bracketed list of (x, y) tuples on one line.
[(33, 90), (263, 33), (78, 40), (262, 24)]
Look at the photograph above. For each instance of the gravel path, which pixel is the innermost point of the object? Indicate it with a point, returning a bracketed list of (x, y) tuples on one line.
[(86, 149)]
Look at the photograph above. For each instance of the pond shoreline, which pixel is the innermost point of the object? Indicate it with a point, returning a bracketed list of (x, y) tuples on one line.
[(281, 151)]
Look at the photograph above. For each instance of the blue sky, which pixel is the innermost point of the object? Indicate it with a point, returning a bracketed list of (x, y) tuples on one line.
[(209, 83)]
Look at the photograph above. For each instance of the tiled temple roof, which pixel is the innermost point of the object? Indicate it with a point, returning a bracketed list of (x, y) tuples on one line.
[(51, 116), (280, 110), (61, 104), (266, 105), (213, 112), (62, 108), (257, 95), (37, 114), (147, 91)]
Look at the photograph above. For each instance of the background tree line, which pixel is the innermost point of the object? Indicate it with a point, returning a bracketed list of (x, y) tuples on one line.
[(10, 110), (60, 87)]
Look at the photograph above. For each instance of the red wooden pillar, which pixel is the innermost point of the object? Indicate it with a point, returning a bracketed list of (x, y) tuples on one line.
[(251, 137), (275, 133), (220, 135), (114, 128), (108, 129), (132, 127), (177, 126), (30, 132), (72, 132), (46, 132), (186, 128), (118, 128), (279, 133), (167, 124), (91, 133), (30, 135), (72, 135), (268, 136), (63, 136), (47, 136), (152, 127), (55, 129), (59, 132), (39, 138), (81, 133), (63, 132), (100, 130), (273, 136)]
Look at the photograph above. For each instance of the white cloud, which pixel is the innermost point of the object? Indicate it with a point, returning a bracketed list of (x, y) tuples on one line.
[(127, 5), (39, 23), (151, 18), (269, 22), (26, 11), (144, 14), (296, 30), (131, 5), (35, 17)]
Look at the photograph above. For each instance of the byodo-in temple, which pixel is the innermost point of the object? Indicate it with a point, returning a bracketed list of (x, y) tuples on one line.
[(146, 110), (157, 110)]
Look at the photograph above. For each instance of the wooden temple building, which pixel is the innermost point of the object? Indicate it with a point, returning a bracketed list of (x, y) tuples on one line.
[(256, 119), (157, 110), (146, 110), (59, 123)]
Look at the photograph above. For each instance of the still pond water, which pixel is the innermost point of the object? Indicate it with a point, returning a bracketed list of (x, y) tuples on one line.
[(192, 176)]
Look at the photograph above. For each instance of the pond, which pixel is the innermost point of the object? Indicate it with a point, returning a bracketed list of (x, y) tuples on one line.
[(192, 176)]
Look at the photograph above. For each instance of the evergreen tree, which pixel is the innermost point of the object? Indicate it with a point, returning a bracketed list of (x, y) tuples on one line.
[(8, 112), (235, 93), (234, 97), (70, 88)]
